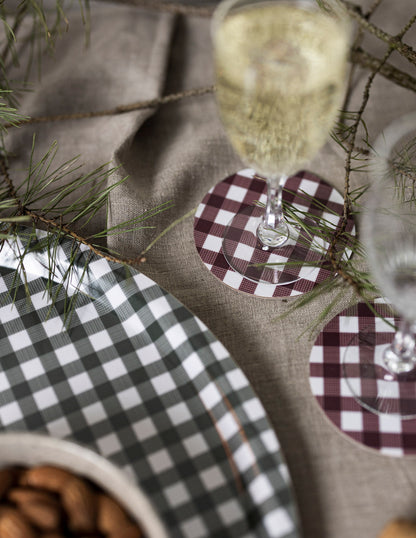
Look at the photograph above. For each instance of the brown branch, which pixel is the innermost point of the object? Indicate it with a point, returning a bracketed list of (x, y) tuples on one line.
[(170, 7), (372, 8), (4, 170), (368, 61), (354, 284), (394, 42), (358, 56), (59, 225), (121, 109), (353, 9), (354, 129), (347, 200), (356, 45)]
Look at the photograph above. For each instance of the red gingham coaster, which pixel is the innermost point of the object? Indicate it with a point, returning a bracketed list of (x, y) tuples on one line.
[(244, 189), (387, 433)]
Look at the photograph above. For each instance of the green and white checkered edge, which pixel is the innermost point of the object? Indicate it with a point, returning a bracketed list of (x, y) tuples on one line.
[(137, 377)]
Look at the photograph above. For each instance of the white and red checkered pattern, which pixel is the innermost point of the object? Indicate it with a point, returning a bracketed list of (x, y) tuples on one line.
[(242, 191), (357, 325)]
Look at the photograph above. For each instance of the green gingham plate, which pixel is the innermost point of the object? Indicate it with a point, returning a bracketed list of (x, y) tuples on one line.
[(137, 377)]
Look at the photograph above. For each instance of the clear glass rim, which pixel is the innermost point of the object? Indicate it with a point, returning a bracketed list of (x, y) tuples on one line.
[(380, 152), (386, 141), (224, 7)]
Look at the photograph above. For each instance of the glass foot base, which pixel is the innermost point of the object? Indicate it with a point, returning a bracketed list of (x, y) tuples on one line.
[(261, 263), (273, 237), (372, 384)]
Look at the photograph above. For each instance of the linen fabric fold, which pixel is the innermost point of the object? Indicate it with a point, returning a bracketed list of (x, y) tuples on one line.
[(120, 60)]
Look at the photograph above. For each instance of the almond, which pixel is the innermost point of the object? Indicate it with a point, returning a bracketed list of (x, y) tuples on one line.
[(24, 495), (14, 525), (110, 515), (399, 527), (45, 477), (79, 502), (7, 477), (43, 515), (127, 531)]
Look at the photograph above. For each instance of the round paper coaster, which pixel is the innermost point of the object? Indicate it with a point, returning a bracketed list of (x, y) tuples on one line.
[(305, 191), (388, 434)]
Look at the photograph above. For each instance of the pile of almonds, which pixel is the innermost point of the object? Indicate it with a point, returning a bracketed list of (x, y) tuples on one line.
[(51, 502), (399, 528)]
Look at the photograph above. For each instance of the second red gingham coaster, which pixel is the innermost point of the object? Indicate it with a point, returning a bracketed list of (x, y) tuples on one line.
[(305, 191), (386, 433)]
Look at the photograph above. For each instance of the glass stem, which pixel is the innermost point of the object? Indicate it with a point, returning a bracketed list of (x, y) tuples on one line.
[(273, 231), (400, 356), (274, 207)]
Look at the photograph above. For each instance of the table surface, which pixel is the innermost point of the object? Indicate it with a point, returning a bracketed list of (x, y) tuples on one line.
[(178, 152)]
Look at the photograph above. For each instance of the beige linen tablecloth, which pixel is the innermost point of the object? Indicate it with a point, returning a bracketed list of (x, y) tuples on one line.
[(177, 152)]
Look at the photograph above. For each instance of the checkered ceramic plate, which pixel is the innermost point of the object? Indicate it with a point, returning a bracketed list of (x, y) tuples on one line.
[(349, 331), (134, 375), (309, 195)]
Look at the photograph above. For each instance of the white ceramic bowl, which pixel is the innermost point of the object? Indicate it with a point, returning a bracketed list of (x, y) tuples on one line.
[(30, 449)]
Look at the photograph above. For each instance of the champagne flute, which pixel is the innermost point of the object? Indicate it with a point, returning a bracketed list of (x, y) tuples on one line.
[(380, 368), (280, 75)]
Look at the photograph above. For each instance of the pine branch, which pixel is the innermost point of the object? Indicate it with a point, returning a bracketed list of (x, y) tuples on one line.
[(348, 166), (47, 26), (121, 109), (355, 11), (394, 42), (43, 198), (171, 7), (39, 185), (368, 61)]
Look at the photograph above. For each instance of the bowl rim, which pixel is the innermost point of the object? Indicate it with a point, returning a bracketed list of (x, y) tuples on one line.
[(30, 449)]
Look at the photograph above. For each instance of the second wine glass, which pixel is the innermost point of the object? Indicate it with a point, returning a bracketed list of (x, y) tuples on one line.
[(280, 74), (379, 366)]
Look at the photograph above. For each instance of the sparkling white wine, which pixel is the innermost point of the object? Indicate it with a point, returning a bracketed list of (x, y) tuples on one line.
[(280, 78)]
